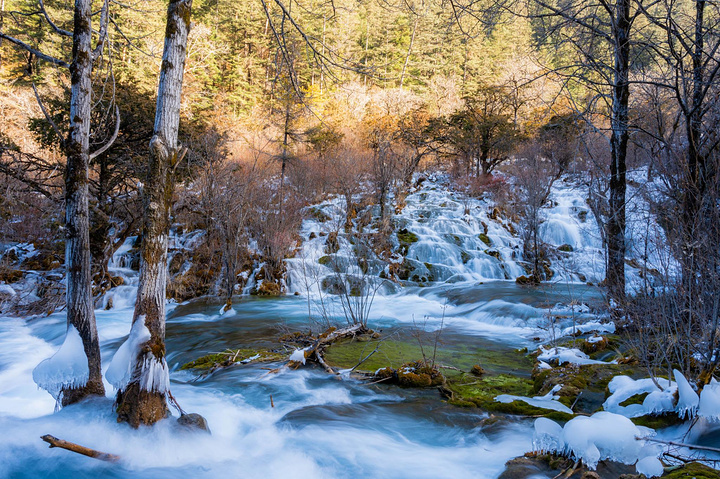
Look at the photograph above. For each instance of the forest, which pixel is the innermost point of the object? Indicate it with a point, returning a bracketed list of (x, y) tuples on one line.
[(360, 238)]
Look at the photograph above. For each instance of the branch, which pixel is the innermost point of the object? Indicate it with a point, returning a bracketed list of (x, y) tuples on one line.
[(107, 145), (37, 53), (47, 115), (85, 451), (52, 24), (680, 444)]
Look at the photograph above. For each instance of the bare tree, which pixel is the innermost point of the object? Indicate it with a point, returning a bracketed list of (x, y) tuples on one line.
[(143, 399), (588, 29), (76, 145)]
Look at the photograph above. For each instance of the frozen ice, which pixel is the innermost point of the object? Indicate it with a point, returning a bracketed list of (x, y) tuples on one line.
[(547, 436), (67, 368), (567, 355), (154, 374), (624, 387), (710, 401), (604, 435), (650, 466), (548, 401), (120, 371), (688, 399)]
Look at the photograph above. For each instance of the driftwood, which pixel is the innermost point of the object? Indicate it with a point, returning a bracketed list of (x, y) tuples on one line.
[(316, 349), (85, 451)]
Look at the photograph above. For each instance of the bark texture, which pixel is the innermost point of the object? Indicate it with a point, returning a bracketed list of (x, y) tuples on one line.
[(618, 143), (80, 304), (136, 405)]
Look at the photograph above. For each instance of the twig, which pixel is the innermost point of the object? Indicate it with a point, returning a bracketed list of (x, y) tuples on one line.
[(366, 357), (681, 444), (85, 451)]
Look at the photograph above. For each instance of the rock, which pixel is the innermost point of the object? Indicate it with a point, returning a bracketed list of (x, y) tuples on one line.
[(477, 370), (194, 422), (590, 475)]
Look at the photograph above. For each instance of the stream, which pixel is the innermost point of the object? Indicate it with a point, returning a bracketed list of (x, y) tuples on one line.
[(319, 426), (305, 423)]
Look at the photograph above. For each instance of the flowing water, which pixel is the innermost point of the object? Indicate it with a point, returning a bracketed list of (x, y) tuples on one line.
[(315, 425)]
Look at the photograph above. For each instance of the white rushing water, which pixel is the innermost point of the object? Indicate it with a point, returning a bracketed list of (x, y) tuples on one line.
[(463, 266)]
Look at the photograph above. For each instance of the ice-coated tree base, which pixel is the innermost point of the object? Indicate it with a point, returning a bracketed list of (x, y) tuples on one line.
[(137, 406), (74, 395)]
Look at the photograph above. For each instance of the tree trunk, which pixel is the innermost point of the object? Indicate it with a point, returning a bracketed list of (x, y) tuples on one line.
[(136, 404), (80, 307), (615, 277)]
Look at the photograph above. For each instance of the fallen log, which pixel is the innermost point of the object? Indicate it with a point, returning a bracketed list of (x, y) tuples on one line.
[(85, 451)]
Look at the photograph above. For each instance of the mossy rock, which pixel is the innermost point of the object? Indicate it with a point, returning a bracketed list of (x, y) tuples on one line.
[(482, 393), (582, 216), (566, 248), (268, 288), (693, 470), (407, 237), (658, 421), (494, 253), (527, 280), (332, 245), (485, 239), (318, 214), (465, 256), (232, 356), (333, 285), (325, 260)]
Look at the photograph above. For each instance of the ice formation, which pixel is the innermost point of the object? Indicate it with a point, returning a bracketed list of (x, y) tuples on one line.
[(624, 387), (154, 374), (688, 400), (657, 401), (548, 401), (603, 435), (298, 355), (67, 368), (710, 401), (548, 435), (567, 355)]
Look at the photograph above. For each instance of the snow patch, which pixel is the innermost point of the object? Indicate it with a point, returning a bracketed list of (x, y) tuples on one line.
[(66, 369), (298, 355), (548, 401), (568, 355)]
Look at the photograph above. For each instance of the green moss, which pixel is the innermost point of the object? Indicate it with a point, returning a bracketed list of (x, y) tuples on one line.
[(485, 239), (482, 393), (395, 353), (658, 421), (465, 256), (636, 399), (230, 357), (693, 470), (566, 248), (324, 260), (406, 237)]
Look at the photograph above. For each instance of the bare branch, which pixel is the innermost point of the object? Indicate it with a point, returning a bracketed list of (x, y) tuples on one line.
[(51, 23), (107, 145), (47, 115), (37, 53)]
